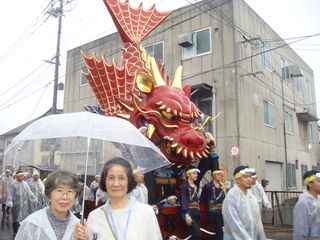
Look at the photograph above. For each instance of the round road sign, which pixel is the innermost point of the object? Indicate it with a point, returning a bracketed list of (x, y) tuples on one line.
[(235, 150)]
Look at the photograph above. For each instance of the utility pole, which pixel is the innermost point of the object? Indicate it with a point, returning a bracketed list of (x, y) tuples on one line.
[(284, 138), (59, 11)]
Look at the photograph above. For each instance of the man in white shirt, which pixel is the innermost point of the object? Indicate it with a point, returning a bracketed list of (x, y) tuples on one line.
[(140, 192), (240, 209), (306, 217), (258, 191), (94, 187), (37, 187)]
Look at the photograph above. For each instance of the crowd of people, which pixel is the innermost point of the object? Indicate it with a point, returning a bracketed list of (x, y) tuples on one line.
[(49, 209)]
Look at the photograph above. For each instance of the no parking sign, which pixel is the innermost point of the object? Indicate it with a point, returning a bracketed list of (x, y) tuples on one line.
[(235, 150)]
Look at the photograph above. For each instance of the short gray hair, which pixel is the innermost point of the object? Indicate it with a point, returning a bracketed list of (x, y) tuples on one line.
[(61, 177)]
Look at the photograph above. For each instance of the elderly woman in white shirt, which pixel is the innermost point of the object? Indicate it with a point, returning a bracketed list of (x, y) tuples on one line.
[(122, 217), (55, 222)]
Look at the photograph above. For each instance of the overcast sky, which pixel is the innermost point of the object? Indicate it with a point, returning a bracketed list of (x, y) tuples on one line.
[(29, 37)]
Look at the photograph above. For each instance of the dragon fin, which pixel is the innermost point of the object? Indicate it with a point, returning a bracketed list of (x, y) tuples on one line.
[(134, 24)]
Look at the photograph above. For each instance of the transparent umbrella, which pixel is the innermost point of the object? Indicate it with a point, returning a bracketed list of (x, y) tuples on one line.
[(81, 143)]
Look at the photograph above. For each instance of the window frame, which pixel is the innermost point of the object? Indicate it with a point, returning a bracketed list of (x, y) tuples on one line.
[(309, 91), (285, 76), (303, 169), (270, 123), (265, 55), (194, 53), (291, 176), (82, 78), (299, 85), (311, 134), (161, 42), (287, 124)]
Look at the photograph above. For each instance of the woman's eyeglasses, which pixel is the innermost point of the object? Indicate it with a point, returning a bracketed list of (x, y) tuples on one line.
[(60, 192)]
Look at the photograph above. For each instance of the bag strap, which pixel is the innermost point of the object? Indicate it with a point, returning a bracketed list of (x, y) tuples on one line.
[(108, 221)]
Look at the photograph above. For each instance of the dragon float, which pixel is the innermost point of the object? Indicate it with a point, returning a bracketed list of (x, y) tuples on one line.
[(140, 92)]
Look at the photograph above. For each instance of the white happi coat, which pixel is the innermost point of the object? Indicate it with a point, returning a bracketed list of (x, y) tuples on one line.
[(37, 187), (142, 224), (4, 186), (140, 192), (22, 199), (258, 191), (307, 217), (38, 227), (241, 215)]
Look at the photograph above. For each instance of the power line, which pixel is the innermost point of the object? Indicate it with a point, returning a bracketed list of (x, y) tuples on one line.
[(271, 49), (39, 21), (24, 97), (20, 81)]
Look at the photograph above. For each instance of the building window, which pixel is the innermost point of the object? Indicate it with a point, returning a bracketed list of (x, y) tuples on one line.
[(49, 144), (304, 169), (309, 91), (285, 71), (265, 54), (291, 176), (311, 133), (202, 97), (288, 122), (83, 80), (201, 44), (156, 50), (268, 113), (299, 86)]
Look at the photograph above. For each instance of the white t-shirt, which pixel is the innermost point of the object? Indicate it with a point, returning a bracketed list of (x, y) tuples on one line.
[(136, 221)]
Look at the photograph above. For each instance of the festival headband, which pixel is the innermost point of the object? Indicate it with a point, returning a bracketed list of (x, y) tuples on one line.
[(19, 174), (192, 170), (171, 197), (137, 170), (217, 172), (254, 175), (244, 171), (309, 179)]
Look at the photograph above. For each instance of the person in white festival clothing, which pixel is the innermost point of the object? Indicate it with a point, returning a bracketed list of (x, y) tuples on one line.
[(55, 222), (94, 185), (258, 191), (5, 182), (240, 209), (37, 187), (122, 217), (20, 197), (140, 192), (306, 215)]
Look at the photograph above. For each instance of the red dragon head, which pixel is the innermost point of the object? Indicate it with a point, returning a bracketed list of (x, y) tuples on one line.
[(140, 92)]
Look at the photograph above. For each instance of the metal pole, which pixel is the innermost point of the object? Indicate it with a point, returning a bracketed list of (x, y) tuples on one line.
[(284, 139), (57, 62)]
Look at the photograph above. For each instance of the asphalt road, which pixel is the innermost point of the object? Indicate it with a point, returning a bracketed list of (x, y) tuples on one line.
[(6, 232)]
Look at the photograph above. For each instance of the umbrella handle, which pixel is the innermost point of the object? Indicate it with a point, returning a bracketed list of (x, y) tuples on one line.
[(84, 182)]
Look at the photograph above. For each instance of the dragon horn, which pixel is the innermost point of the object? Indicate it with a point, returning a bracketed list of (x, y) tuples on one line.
[(158, 80), (177, 78)]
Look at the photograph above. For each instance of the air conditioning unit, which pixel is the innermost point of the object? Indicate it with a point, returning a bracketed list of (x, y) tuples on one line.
[(185, 40), (295, 71)]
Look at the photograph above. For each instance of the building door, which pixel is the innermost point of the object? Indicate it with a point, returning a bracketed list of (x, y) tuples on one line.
[(274, 176)]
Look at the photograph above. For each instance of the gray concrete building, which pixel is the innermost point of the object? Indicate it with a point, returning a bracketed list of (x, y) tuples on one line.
[(239, 66)]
